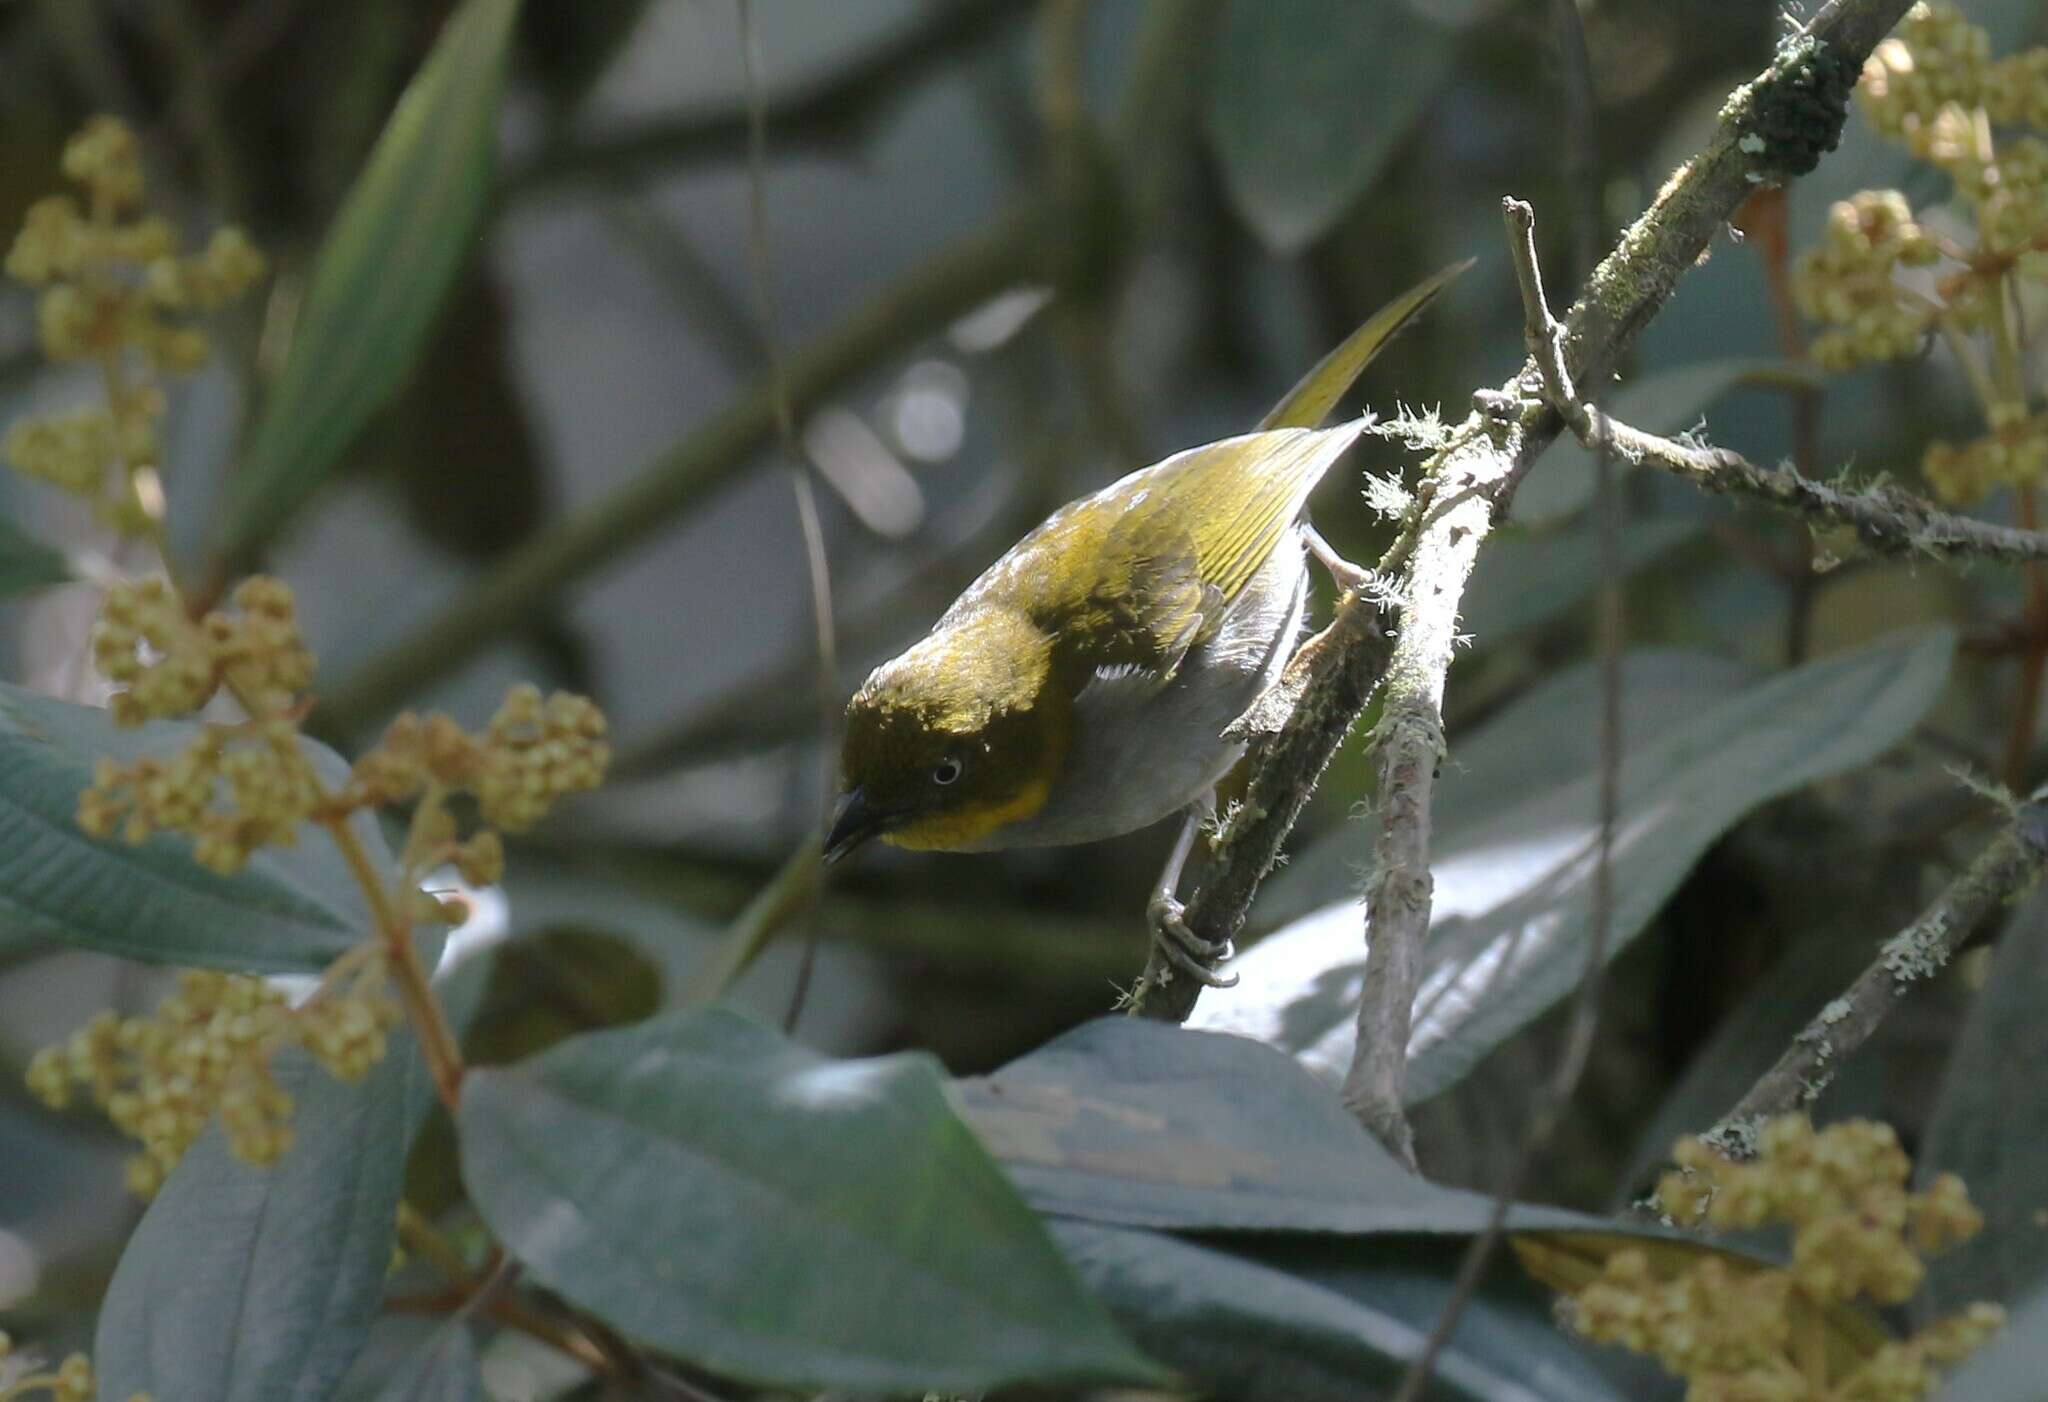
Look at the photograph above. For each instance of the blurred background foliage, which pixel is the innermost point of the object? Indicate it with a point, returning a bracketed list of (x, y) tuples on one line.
[(1020, 247)]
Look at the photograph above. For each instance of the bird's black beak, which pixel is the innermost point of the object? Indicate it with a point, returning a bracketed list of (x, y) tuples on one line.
[(853, 824)]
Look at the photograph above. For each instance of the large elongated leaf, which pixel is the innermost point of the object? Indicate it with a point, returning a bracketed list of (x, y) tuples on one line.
[(1525, 581), (1283, 1321), (1123, 1128), (289, 910), (1124, 1120), (1990, 1125), (27, 564), (1307, 101), (382, 272), (1513, 897), (247, 1284), (730, 1197), (1493, 767)]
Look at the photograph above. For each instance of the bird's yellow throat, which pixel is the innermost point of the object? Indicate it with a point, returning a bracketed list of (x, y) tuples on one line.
[(965, 827)]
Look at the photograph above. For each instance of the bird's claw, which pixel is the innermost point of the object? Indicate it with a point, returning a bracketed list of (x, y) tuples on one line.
[(1182, 947)]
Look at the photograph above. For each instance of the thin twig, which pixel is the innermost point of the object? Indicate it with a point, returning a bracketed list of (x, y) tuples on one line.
[(950, 284), (2006, 867), (1542, 334), (761, 263), (1888, 520), (833, 112)]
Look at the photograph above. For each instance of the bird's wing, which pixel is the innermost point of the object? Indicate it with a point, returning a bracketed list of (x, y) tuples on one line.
[(1131, 577), (1247, 494)]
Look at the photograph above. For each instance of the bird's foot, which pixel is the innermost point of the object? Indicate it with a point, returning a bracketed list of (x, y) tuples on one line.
[(1181, 947), (1349, 578)]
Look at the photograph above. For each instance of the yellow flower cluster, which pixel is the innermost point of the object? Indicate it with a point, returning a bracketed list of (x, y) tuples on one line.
[(233, 789), (206, 1050), (1938, 59), (1848, 281), (168, 665), (110, 276), (1935, 87), (1857, 1233), (533, 752), (71, 1382), (2014, 452), (112, 280)]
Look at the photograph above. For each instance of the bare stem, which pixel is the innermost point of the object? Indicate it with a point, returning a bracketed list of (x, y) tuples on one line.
[(1886, 519), (2006, 867)]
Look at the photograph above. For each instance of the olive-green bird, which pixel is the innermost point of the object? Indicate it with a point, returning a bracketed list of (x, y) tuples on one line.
[(1082, 686)]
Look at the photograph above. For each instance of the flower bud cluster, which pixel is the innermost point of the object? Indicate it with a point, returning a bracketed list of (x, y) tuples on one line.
[(2014, 453), (347, 1029), (534, 752), (233, 790), (1938, 59), (1935, 58), (111, 280), (71, 1381), (206, 1051), (2008, 193), (167, 665), (1857, 1233), (1848, 282), (161, 1077)]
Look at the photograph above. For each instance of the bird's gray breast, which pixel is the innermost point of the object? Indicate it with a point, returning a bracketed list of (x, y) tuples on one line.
[(1142, 750)]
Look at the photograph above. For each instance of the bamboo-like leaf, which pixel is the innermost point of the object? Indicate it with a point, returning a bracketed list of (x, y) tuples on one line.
[(1317, 393), (382, 273)]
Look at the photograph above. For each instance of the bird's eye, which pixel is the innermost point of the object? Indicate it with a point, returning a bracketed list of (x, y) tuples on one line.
[(947, 772)]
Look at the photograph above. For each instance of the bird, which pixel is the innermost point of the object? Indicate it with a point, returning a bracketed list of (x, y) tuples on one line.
[(1083, 686)]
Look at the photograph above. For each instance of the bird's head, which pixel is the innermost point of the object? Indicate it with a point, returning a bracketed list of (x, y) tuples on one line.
[(955, 739)]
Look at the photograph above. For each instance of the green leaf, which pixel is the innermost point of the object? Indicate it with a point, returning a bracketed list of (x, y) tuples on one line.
[(1304, 1321), (1129, 1121), (1309, 403), (1525, 581), (1668, 401), (1990, 1125), (1129, 1124), (1494, 767), (1308, 100), (444, 1369), (1513, 897), (382, 272), (259, 1284), (770, 1214), (290, 909), (27, 564)]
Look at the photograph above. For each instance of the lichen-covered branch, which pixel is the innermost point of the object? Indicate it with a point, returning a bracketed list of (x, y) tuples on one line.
[(1888, 520), (1770, 128), (2003, 871), (1466, 481), (1293, 731)]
